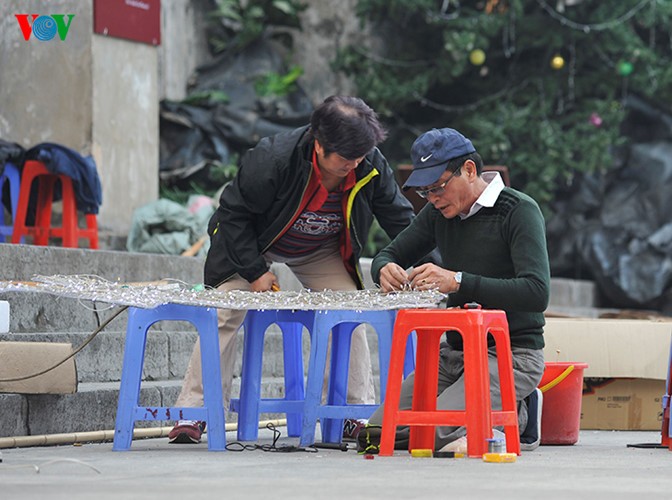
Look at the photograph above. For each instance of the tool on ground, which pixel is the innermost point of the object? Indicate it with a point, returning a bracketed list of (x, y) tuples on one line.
[(330, 446)]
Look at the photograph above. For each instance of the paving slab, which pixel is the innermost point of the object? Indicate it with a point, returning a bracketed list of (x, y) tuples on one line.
[(598, 466)]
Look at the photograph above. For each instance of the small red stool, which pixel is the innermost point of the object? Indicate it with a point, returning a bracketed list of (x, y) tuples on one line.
[(69, 232), (478, 417)]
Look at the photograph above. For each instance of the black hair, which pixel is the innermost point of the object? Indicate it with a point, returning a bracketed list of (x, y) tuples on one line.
[(347, 126), (455, 164)]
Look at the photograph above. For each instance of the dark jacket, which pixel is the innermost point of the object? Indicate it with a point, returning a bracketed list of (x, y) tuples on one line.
[(266, 197), (82, 170)]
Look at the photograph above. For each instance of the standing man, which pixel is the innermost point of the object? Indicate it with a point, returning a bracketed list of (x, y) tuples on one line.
[(493, 250), (306, 198)]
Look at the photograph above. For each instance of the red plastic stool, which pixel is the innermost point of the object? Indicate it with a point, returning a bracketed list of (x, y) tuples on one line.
[(478, 417), (69, 232)]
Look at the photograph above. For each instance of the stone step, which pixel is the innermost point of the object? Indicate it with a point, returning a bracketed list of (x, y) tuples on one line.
[(573, 294), (94, 406), (167, 353)]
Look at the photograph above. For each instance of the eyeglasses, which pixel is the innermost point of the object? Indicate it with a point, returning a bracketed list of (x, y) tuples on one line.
[(437, 190)]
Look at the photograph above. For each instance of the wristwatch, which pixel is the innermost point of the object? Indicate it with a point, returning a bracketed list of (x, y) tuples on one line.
[(458, 278)]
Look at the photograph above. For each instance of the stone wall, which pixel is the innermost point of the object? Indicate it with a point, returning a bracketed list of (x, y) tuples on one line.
[(91, 93), (327, 26)]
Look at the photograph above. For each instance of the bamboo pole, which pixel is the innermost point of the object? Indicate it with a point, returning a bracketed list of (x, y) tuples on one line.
[(103, 435)]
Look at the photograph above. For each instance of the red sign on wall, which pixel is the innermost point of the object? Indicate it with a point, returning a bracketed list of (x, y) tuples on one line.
[(137, 20)]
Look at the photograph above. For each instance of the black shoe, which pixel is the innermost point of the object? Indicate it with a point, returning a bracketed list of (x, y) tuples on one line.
[(368, 440), (531, 435)]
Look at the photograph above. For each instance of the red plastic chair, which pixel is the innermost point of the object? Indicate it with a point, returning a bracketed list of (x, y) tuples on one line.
[(474, 325), (69, 232)]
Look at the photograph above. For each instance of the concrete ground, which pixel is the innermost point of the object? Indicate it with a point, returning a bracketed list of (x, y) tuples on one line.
[(599, 466)]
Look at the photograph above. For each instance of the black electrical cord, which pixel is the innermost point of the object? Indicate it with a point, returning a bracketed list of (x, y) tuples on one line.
[(238, 446), (73, 353)]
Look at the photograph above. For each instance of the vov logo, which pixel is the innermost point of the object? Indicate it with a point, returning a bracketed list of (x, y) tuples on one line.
[(42, 27)]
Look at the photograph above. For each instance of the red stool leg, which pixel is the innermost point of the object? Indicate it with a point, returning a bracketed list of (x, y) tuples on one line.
[(70, 224), (476, 387), (425, 387), (20, 228), (665, 434), (666, 440), (92, 230), (71, 230), (395, 377), (45, 196), (41, 231), (508, 417)]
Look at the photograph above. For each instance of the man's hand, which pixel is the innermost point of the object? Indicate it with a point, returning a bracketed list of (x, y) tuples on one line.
[(392, 277), (265, 282), (433, 277)]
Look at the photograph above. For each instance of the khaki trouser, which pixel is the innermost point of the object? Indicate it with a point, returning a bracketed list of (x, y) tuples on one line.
[(319, 271)]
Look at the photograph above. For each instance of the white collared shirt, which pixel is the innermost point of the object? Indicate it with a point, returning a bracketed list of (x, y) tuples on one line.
[(489, 195)]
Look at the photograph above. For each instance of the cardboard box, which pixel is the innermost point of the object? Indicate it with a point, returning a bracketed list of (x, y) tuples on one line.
[(628, 362), (622, 404), (19, 359)]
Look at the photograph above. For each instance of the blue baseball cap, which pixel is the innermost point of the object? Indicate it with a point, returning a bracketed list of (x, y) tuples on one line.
[(432, 151)]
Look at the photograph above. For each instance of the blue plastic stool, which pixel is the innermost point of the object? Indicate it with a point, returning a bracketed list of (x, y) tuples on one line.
[(336, 409), (10, 174), (212, 411), (250, 405)]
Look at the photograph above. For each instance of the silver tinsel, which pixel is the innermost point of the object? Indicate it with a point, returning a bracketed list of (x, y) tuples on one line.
[(149, 295)]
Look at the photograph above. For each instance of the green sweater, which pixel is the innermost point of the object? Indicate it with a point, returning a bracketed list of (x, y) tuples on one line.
[(501, 252)]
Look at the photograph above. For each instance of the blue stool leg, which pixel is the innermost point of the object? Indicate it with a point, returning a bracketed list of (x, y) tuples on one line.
[(11, 175), (409, 360), (319, 342), (250, 404), (293, 368), (5, 231), (337, 392), (14, 187), (255, 324), (139, 322), (131, 376), (336, 409), (212, 378), (383, 322)]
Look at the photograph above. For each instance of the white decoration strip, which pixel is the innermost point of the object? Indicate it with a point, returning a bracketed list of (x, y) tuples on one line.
[(149, 295)]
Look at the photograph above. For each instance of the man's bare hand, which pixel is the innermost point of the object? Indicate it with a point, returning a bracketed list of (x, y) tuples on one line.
[(433, 277), (392, 277), (265, 282)]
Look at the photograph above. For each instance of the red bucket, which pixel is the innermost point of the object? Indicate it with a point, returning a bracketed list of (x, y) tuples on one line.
[(562, 385)]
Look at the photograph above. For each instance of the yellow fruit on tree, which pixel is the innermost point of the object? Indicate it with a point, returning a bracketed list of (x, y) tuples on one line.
[(477, 57)]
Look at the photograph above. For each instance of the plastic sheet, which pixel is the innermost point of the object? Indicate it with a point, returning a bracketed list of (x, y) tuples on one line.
[(195, 137), (615, 227)]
